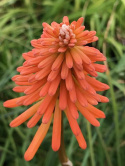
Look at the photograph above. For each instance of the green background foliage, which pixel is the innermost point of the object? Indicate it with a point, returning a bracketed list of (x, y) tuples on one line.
[(20, 22)]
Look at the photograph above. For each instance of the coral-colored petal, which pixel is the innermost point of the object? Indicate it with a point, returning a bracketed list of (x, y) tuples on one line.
[(99, 67), (66, 20), (31, 98), (81, 140), (84, 58), (79, 22), (53, 74), (43, 73), (69, 81), (22, 83), (95, 111), (58, 62), (43, 106), (91, 90), (63, 96), (35, 86), (69, 60), (20, 88), (103, 98), (88, 115), (73, 123), (21, 78), (49, 110), (81, 98), (56, 134), (11, 103), (73, 109), (47, 61), (29, 70), (72, 94), (37, 140), (83, 83), (64, 71), (45, 89), (36, 60), (54, 85), (79, 30), (97, 84), (25, 115), (76, 57), (79, 73), (34, 120)]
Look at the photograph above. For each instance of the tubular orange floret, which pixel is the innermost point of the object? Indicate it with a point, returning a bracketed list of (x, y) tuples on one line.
[(37, 140), (58, 62), (43, 106), (73, 109), (95, 111), (20, 88), (34, 120), (69, 81), (64, 71), (88, 115), (63, 96), (80, 97), (11, 103), (35, 86), (81, 140), (44, 90), (57, 74), (73, 123), (49, 111), (56, 134), (69, 60), (76, 57), (25, 115)]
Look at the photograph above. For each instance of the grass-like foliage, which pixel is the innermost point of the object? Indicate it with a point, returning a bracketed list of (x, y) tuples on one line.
[(20, 22)]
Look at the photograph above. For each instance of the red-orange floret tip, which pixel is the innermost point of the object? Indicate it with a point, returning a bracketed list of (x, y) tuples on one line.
[(58, 74)]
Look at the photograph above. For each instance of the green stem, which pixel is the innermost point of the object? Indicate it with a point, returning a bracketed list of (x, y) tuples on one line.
[(114, 104), (90, 144), (104, 148), (115, 110)]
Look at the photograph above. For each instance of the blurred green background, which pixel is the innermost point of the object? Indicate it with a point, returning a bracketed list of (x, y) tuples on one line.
[(20, 22)]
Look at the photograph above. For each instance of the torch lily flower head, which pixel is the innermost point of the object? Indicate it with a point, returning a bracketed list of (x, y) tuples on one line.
[(58, 74)]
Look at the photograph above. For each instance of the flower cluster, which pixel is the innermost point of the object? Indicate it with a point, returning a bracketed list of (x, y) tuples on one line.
[(58, 75)]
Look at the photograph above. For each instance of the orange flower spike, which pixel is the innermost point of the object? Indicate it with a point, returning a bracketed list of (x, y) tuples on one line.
[(58, 75)]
